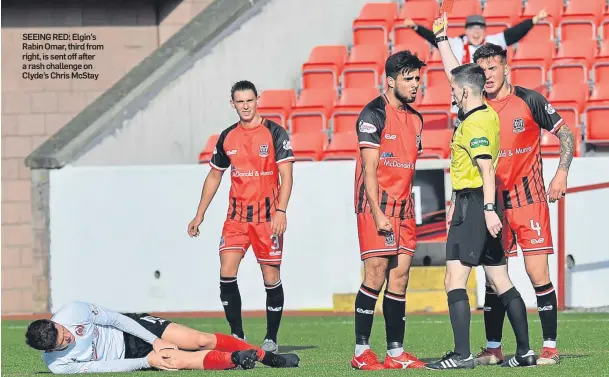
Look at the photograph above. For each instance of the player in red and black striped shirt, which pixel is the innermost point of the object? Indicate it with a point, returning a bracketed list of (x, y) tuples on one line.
[(523, 114), (389, 133), (259, 152)]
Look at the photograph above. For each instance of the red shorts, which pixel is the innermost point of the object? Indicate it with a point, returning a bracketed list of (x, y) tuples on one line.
[(403, 239), (238, 236), (529, 228)]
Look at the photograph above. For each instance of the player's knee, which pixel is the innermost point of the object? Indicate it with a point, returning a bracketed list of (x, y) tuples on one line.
[(206, 341), (228, 270), (375, 272), (398, 283), (539, 274), (270, 275)]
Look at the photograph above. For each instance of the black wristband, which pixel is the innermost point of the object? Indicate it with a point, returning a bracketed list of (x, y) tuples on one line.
[(280, 210), (442, 38)]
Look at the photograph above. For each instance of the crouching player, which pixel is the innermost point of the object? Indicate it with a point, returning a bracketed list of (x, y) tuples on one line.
[(86, 338)]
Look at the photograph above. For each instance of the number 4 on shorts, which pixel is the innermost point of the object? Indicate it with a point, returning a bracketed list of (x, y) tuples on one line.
[(535, 226)]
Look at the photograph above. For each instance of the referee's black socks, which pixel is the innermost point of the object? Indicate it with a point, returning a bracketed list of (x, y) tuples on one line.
[(365, 302), (231, 301), (494, 315), (546, 306), (274, 309), (460, 318), (517, 314)]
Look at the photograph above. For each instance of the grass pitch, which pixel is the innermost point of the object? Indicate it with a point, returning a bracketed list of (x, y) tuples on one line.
[(325, 345)]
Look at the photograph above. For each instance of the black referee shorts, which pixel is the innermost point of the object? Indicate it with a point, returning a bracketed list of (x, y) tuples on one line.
[(469, 240), (135, 347)]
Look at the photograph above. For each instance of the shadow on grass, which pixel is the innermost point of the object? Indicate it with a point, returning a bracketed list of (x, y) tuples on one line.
[(285, 349)]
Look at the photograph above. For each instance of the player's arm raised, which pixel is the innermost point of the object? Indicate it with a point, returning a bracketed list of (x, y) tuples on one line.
[(219, 163), (449, 61), (284, 156)]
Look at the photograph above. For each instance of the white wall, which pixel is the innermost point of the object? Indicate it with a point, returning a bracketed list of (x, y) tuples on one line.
[(112, 227), (269, 50)]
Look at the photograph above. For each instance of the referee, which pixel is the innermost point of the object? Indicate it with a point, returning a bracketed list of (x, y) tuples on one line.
[(474, 233)]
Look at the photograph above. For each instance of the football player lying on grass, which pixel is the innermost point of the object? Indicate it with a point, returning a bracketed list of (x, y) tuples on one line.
[(83, 337)]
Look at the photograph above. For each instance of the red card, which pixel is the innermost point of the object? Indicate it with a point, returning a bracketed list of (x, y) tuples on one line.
[(447, 6)]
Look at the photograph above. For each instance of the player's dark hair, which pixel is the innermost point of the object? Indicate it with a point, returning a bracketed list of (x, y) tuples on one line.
[(470, 75), (489, 50), (402, 62), (242, 85), (41, 335)]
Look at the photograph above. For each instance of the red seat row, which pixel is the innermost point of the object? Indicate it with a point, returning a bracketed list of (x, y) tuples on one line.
[(315, 146), (383, 22), (331, 67)]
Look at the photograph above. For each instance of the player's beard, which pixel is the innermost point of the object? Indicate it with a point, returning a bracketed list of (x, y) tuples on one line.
[(402, 98)]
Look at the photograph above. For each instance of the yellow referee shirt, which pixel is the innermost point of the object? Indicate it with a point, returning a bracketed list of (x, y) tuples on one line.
[(477, 135)]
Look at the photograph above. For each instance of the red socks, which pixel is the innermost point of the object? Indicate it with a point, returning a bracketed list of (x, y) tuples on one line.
[(228, 343), (217, 360)]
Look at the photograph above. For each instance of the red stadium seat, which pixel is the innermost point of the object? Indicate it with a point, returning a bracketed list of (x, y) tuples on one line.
[(595, 121), (435, 60), (350, 104), (528, 76), (277, 104), (462, 9), (422, 13), (534, 53), (604, 29), (324, 67), (422, 50), (502, 12), (365, 66), (436, 119), (436, 77), (584, 10), (599, 96), (436, 143), (567, 71), (375, 23), (343, 146), (603, 53), (309, 146), (208, 151), (312, 111), (581, 50), (576, 30), (541, 33), (436, 98), (600, 73), (554, 8), (569, 95)]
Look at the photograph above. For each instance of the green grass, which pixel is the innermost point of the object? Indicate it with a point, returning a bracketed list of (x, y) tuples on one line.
[(325, 345)]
